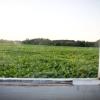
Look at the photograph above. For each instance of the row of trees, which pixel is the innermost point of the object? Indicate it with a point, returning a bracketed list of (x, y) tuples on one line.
[(41, 41)]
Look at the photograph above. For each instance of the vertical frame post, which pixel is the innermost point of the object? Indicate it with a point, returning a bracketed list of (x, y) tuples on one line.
[(99, 62)]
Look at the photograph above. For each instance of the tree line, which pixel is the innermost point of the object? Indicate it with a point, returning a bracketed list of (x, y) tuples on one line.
[(42, 41)]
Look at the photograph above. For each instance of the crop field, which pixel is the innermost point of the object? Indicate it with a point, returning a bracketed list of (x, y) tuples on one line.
[(42, 61)]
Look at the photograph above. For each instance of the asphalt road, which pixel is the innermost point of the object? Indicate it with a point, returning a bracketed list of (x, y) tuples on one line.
[(82, 92)]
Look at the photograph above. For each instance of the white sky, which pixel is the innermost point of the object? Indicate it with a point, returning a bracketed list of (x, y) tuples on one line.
[(53, 19)]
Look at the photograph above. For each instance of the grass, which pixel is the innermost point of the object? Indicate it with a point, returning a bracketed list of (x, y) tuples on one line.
[(41, 61)]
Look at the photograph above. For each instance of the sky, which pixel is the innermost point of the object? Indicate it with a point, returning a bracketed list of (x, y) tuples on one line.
[(52, 19)]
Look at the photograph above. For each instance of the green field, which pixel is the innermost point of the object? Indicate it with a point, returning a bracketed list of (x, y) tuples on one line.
[(41, 61)]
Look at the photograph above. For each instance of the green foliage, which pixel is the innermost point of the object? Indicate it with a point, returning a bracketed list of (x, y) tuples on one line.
[(42, 41), (47, 61)]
